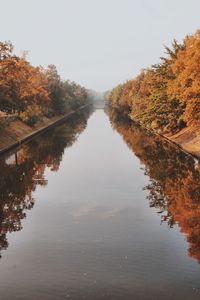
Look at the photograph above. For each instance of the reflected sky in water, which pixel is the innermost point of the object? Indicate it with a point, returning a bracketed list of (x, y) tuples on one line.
[(91, 233)]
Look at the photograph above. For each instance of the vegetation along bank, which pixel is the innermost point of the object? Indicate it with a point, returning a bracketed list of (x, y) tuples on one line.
[(166, 97), (32, 98)]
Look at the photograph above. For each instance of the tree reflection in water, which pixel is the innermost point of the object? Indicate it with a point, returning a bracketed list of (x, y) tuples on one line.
[(174, 186), (24, 169)]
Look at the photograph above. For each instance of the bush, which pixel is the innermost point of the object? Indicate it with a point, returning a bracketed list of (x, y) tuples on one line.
[(31, 116), (181, 123), (32, 120)]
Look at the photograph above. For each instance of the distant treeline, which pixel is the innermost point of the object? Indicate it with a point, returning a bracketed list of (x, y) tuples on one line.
[(29, 92), (165, 96)]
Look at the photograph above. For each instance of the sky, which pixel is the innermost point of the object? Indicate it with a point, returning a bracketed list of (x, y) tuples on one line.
[(97, 43)]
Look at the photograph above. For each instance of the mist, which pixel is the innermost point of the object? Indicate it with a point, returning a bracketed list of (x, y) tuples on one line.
[(97, 44)]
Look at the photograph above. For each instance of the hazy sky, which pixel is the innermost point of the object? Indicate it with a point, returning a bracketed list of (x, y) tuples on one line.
[(97, 43)]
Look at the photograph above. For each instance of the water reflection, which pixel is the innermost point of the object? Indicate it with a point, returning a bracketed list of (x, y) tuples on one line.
[(23, 169), (174, 186)]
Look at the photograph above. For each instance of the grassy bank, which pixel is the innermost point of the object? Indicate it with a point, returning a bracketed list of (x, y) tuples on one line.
[(188, 138), (17, 131)]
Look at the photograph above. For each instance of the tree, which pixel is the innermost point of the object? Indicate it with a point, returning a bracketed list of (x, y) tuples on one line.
[(185, 86), (55, 89), (21, 85)]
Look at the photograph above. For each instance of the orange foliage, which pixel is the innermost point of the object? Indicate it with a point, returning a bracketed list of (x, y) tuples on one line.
[(186, 83), (166, 96), (32, 92)]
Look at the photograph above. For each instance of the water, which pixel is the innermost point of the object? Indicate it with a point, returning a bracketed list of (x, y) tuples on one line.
[(91, 212)]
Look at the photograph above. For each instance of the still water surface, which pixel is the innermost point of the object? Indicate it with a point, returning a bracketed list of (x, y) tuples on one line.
[(83, 217)]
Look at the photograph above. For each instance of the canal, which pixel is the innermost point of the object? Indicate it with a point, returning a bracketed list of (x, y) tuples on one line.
[(97, 208)]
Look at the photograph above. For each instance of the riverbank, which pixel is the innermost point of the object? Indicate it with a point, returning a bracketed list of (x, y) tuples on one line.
[(188, 139), (18, 132)]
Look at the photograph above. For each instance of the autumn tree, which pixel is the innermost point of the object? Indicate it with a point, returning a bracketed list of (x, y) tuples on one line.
[(21, 85), (55, 89), (185, 86), (6, 49), (33, 92), (165, 96)]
